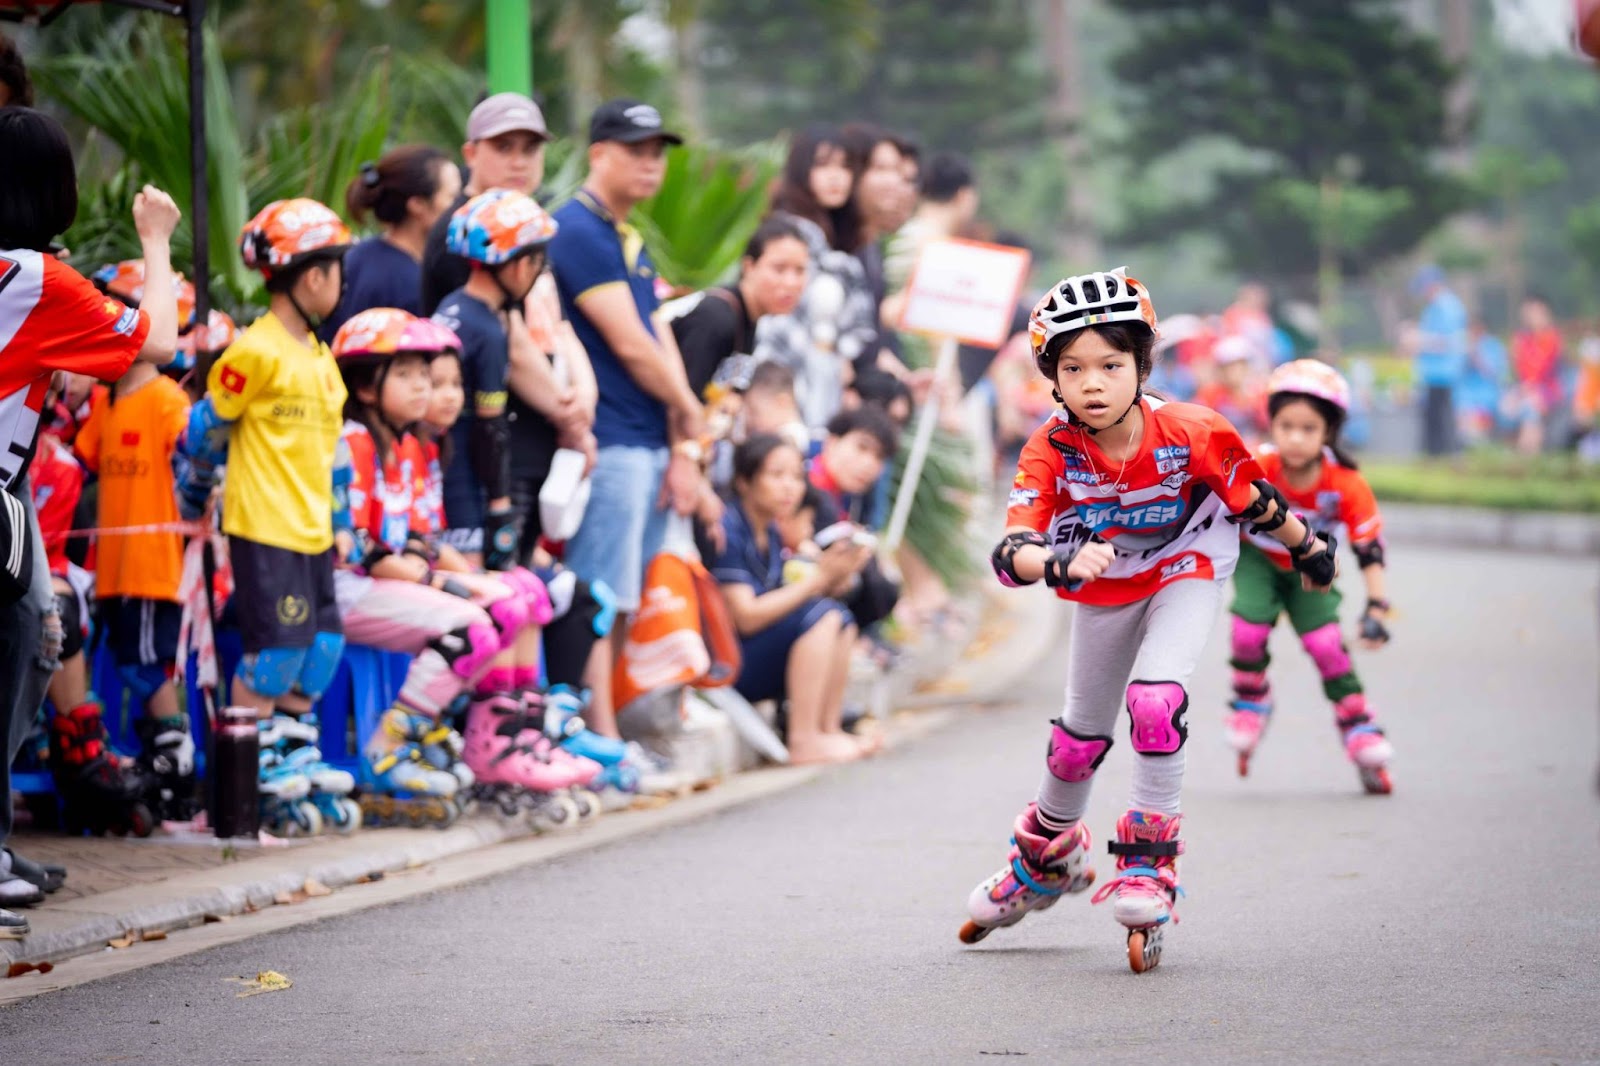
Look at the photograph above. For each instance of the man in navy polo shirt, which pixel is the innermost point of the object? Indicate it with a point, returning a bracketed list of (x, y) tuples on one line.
[(648, 421)]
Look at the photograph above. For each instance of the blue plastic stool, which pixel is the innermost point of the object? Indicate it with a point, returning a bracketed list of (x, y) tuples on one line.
[(364, 686)]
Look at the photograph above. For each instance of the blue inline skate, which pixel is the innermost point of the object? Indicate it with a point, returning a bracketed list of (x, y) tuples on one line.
[(294, 739), (287, 809)]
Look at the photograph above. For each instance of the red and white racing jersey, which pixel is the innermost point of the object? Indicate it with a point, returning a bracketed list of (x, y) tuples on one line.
[(1341, 497), (52, 319), (1164, 512)]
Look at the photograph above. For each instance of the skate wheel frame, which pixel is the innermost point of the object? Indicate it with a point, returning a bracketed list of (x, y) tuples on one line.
[(1144, 949)]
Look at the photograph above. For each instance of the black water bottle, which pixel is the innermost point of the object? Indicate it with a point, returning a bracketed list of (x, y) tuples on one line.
[(235, 761)]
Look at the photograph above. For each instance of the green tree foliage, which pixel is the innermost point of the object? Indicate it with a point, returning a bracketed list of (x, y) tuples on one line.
[(958, 74), (1300, 91)]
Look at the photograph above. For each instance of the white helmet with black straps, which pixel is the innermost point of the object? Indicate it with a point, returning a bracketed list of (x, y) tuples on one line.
[(1097, 299)]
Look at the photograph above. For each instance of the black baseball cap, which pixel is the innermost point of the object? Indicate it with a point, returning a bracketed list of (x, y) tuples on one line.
[(628, 121)]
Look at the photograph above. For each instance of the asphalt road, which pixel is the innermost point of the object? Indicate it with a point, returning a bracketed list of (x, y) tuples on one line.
[(1455, 921)]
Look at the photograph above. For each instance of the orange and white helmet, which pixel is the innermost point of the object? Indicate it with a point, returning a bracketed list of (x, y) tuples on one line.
[(125, 281), (215, 336), (373, 336), (497, 227), (1098, 299), (1311, 377), (288, 232)]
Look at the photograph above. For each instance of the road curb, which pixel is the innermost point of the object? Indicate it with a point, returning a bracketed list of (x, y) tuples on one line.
[(194, 897), (1492, 530)]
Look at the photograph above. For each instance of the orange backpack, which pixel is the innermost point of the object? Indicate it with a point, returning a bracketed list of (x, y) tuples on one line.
[(681, 635)]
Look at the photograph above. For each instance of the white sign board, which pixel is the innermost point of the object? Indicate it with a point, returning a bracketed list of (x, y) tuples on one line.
[(967, 290)]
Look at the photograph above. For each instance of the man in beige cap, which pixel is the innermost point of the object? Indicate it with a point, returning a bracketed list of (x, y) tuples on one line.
[(506, 135)]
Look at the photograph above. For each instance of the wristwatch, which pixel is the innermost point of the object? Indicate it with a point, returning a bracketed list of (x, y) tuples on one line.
[(691, 450)]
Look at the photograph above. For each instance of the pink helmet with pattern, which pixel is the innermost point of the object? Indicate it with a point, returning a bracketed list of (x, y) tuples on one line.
[(430, 338), (1311, 377)]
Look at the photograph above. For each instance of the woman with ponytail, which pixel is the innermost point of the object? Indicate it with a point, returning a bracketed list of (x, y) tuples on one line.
[(405, 191)]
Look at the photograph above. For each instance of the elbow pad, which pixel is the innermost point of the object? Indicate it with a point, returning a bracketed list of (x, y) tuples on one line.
[(205, 439), (491, 455), (1256, 512), (369, 550), (1004, 556), (1369, 553)]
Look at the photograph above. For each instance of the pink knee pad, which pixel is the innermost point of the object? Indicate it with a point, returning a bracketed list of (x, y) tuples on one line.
[(1074, 756), (482, 645), (1250, 640), (1157, 709), (533, 593), (1327, 651), (510, 615)]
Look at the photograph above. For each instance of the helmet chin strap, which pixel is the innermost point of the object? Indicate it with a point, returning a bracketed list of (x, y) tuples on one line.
[(313, 322)]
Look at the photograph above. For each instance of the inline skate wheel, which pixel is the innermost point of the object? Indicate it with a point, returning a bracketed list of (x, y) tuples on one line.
[(1244, 764), (561, 812), (141, 822), (304, 821), (972, 932), (588, 803), (1377, 781), (346, 815), (1144, 949)]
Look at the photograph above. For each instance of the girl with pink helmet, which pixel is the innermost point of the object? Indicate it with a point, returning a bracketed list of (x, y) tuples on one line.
[(1307, 401)]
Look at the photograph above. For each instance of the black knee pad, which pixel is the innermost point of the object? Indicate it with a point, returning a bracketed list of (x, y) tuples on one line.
[(71, 624)]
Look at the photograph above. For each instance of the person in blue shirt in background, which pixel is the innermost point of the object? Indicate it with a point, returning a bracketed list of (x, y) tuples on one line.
[(1482, 384), (1441, 358), (649, 421)]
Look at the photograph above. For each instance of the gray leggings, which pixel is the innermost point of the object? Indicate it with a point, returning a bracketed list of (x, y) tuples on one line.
[(1153, 640), (23, 677)]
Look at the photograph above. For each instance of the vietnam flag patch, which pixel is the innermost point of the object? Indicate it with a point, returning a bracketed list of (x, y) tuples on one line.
[(130, 438), (231, 380)]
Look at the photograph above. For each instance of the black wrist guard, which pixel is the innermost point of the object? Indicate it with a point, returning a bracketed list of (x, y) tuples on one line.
[(1004, 556), (500, 535), (1055, 573), (1320, 567), (1372, 628), (1256, 514)]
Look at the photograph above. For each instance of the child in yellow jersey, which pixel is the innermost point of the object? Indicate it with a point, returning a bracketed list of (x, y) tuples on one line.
[(273, 412)]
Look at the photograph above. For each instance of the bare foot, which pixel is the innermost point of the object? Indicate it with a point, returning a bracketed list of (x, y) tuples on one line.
[(869, 743), (823, 748)]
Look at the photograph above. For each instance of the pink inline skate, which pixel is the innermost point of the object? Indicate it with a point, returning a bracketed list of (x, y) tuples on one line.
[(509, 773), (1365, 744), (1146, 887), (1038, 871)]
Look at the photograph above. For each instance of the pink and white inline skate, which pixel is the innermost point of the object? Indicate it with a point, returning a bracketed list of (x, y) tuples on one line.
[(509, 772), (1365, 744), (1146, 886), (1041, 868)]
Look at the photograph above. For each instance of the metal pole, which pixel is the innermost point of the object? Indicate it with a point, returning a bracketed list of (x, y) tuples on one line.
[(199, 205), (920, 444), (509, 41)]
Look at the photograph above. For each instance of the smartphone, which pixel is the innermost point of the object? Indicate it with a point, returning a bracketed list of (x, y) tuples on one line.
[(839, 531)]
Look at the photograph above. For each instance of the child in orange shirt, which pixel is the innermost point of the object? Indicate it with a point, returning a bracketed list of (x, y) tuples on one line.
[(128, 441)]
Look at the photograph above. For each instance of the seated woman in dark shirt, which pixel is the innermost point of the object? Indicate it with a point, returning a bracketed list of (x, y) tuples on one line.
[(796, 637)]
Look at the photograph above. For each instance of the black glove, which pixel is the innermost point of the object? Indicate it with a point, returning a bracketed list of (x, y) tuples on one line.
[(453, 587), (501, 532), (1320, 566), (1372, 627)]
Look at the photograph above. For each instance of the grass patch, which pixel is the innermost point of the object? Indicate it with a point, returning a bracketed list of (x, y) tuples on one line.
[(1501, 480)]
